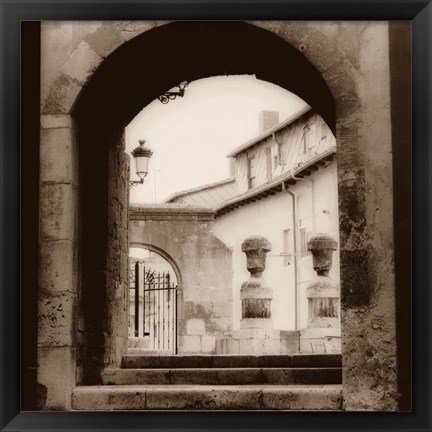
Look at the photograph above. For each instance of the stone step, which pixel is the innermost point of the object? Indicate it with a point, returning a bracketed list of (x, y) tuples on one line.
[(223, 376), (231, 361), (190, 397)]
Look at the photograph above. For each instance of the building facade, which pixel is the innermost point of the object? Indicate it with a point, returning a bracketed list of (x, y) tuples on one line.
[(286, 191)]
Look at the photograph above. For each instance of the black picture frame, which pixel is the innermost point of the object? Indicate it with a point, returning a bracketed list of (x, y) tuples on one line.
[(12, 208)]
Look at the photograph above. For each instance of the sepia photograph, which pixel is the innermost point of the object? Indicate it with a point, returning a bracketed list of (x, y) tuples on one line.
[(221, 216), (216, 228)]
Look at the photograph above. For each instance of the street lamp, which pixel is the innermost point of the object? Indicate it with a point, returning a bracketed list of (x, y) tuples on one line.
[(141, 154), (171, 95)]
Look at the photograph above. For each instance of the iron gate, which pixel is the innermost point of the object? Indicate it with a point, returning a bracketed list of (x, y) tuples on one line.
[(155, 307)]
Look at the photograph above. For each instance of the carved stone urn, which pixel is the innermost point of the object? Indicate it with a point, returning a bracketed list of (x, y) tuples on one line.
[(322, 291), (255, 293)]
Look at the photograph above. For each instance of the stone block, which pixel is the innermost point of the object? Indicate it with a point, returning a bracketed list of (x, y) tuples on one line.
[(320, 332), (58, 156), (195, 326), (55, 377), (289, 342), (256, 323), (208, 344), (58, 211), (224, 345), (255, 333), (56, 320), (217, 326), (81, 63), (313, 345), (191, 344), (108, 398), (203, 397), (222, 308), (62, 96), (105, 40), (58, 266), (56, 121), (328, 397)]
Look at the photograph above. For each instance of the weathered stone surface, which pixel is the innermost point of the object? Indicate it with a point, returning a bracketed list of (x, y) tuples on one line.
[(256, 248), (322, 247), (223, 376), (131, 29), (234, 361), (326, 397), (184, 397), (289, 342), (55, 377), (56, 320), (58, 211), (105, 40), (190, 344), (256, 307), (108, 398), (56, 121), (115, 289), (195, 326), (208, 344), (62, 96), (256, 323), (316, 360), (59, 267), (81, 63), (202, 397), (58, 156), (187, 242)]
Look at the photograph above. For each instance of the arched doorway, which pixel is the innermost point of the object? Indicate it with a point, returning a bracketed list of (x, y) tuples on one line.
[(198, 50), (152, 302), (138, 71)]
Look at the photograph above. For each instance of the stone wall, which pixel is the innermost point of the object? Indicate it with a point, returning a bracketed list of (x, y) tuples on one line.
[(117, 322), (184, 236), (58, 262)]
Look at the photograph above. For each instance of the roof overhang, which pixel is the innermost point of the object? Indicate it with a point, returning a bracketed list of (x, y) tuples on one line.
[(275, 185)]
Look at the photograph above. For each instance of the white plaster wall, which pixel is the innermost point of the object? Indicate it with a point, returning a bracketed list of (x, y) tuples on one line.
[(269, 217)]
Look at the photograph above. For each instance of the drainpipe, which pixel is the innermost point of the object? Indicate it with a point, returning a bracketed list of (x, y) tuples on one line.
[(284, 188), (313, 198)]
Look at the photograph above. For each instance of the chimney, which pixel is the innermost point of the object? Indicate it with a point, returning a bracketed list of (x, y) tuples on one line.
[(267, 120)]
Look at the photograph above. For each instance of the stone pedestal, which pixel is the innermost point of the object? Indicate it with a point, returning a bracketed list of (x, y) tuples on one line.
[(323, 329)]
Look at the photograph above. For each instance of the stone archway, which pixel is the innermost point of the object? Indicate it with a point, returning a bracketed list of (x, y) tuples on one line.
[(103, 80)]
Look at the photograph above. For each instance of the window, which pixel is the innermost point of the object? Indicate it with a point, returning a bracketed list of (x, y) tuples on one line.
[(268, 164), (305, 138), (280, 154), (308, 138), (251, 172), (303, 241), (286, 247), (323, 131), (275, 161)]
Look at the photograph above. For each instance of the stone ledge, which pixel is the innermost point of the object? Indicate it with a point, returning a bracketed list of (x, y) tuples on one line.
[(165, 212), (223, 376), (227, 360), (191, 397)]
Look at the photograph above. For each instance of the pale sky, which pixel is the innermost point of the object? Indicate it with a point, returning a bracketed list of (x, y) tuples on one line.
[(191, 136)]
